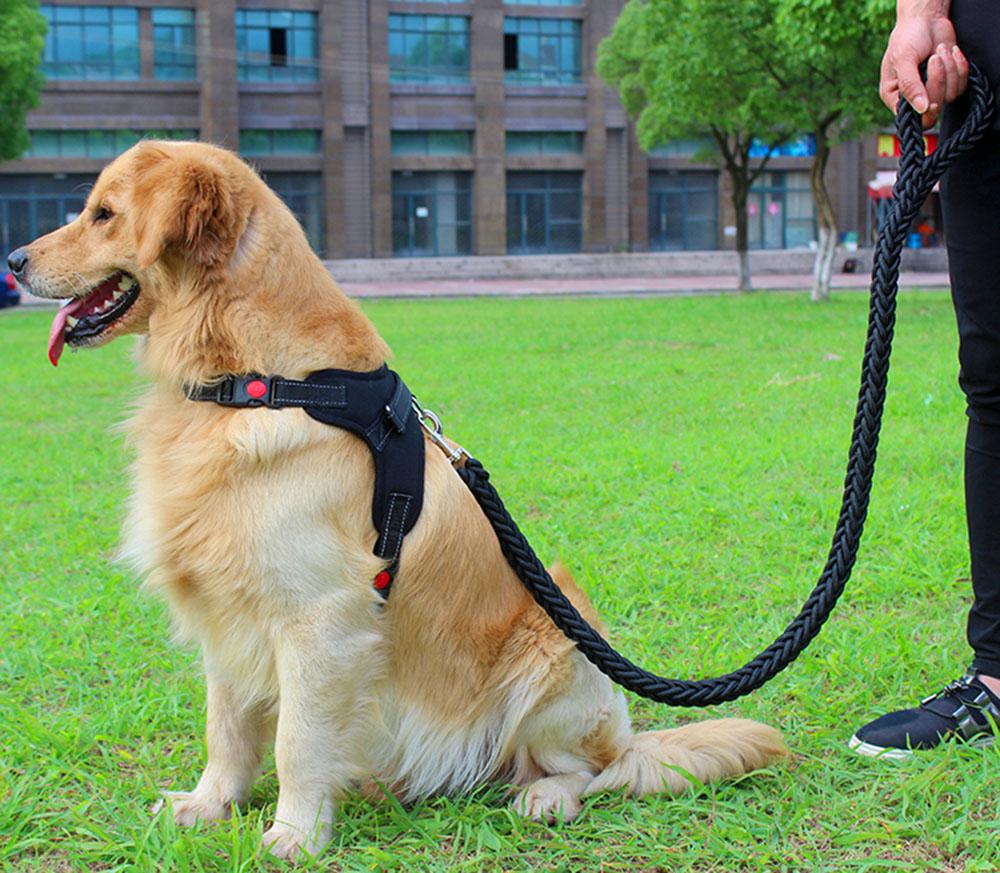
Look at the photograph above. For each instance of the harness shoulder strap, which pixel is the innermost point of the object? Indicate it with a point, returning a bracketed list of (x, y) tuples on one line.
[(376, 406)]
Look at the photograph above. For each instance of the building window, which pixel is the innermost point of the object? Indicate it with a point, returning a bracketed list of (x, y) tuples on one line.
[(94, 143), (780, 211), (276, 46), (256, 143), (91, 42), (32, 205), (431, 214), (173, 44), (683, 210), (801, 146), (547, 142), (541, 51), (702, 147), (428, 48), (544, 212), (303, 194), (432, 142)]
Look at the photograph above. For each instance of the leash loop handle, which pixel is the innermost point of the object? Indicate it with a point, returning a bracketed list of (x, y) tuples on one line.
[(917, 176)]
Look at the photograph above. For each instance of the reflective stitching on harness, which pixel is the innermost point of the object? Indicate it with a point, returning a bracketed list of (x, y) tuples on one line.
[(373, 429), (335, 403), (394, 527)]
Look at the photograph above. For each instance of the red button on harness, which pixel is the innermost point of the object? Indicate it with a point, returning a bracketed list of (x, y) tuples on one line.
[(382, 580), (256, 389)]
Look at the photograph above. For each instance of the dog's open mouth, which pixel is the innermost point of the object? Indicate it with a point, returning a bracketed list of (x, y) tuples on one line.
[(86, 318)]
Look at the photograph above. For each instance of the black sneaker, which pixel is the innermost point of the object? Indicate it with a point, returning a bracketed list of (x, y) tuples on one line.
[(965, 710)]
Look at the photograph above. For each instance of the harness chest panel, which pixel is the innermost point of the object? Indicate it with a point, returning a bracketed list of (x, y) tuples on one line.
[(376, 406)]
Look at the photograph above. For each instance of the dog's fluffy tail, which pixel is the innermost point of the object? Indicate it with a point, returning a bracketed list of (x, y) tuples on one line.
[(685, 757)]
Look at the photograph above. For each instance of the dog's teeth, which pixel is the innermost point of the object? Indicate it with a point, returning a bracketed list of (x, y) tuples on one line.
[(71, 322), (125, 283)]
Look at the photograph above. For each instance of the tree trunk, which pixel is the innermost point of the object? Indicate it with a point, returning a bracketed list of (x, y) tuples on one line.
[(740, 192), (825, 219)]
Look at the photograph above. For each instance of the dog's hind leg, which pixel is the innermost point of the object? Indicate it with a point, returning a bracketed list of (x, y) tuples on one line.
[(553, 798), (236, 733), (579, 727), (570, 738)]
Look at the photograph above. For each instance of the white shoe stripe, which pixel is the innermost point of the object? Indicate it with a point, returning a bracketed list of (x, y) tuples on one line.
[(870, 750)]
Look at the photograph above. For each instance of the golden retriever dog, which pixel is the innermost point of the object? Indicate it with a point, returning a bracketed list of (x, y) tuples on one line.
[(256, 526)]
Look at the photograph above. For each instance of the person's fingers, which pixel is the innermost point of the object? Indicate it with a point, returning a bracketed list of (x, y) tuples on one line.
[(888, 85), (891, 96), (910, 85), (962, 65), (930, 117), (950, 72), (937, 80)]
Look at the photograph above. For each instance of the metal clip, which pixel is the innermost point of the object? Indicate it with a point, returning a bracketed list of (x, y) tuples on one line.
[(432, 424)]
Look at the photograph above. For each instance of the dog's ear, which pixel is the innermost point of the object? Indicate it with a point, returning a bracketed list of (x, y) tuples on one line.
[(185, 205)]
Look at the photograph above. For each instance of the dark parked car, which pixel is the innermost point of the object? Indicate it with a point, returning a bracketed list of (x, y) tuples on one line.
[(9, 295)]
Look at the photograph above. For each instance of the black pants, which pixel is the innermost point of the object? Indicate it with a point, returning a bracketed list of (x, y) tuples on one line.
[(970, 195)]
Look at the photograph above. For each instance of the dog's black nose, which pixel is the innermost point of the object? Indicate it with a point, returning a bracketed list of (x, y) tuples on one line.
[(17, 260)]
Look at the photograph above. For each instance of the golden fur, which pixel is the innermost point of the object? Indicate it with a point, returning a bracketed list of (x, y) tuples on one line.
[(255, 524)]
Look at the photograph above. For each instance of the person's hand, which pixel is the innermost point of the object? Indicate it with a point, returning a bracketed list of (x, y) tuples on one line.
[(915, 40)]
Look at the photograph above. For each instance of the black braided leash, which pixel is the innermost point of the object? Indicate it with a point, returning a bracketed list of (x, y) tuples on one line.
[(917, 176)]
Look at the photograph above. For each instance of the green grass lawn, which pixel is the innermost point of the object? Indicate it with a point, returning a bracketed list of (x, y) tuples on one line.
[(683, 456)]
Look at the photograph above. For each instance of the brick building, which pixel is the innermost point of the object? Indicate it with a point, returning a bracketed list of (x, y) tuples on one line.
[(396, 127)]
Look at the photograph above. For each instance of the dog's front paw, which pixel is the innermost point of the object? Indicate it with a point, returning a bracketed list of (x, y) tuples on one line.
[(284, 841), (189, 807)]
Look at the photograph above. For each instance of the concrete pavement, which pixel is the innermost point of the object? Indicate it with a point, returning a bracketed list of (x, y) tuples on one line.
[(603, 286)]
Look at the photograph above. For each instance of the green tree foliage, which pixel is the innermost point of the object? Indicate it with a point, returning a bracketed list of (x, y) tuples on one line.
[(759, 70), (830, 55), (22, 38), (684, 67)]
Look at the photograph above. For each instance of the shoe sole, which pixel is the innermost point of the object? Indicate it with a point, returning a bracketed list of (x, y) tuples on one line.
[(872, 751), (893, 754)]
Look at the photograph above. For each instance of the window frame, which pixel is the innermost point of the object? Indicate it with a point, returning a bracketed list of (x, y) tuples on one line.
[(421, 143), (555, 36), (683, 180), (758, 194), (553, 184), (121, 61), (432, 193), (545, 144), (258, 64), (176, 39), (121, 139), (403, 26), (274, 146)]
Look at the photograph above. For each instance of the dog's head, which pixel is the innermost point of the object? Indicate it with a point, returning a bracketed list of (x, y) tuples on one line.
[(161, 216)]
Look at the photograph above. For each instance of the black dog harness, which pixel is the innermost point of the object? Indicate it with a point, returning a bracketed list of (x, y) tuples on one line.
[(376, 406)]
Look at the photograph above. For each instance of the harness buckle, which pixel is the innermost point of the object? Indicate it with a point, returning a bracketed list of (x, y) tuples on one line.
[(431, 423), (250, 390)]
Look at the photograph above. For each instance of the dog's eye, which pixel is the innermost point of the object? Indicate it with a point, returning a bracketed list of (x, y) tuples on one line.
[(101, 214)]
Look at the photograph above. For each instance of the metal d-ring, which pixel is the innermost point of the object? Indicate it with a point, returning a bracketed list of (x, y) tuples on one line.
[(431, 423)]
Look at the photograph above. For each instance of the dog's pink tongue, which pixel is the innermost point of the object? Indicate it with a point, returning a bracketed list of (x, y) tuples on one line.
[(57, 335)]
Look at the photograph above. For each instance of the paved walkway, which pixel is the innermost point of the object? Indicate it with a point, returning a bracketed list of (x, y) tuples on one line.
[(666, 286), (608, 287)]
